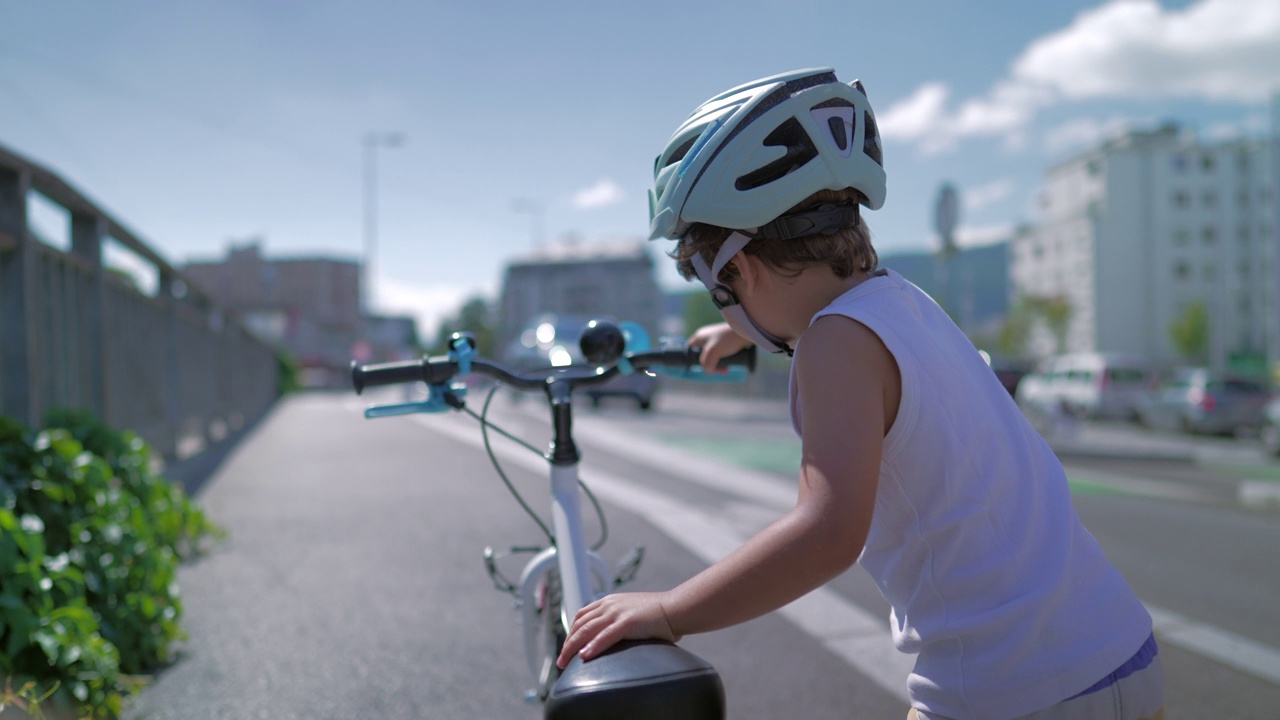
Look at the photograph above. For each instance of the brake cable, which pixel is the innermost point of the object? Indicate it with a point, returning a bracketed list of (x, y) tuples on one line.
[(485, 424)]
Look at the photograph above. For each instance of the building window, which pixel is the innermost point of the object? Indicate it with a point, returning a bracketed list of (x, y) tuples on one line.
[(1209, 272), (1242, 162), (1209, 199), (1242, 234), (1179, 163), (1182, 270), (1093, 167), (1210, 235), (1206, 162), (1181, 237), (1181, 198), (1244, 198)]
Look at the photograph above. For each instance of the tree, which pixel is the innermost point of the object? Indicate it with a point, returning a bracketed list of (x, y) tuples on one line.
[(1015, 331), (1190, 332), (475, 317), (1057, 312), (699, 311)]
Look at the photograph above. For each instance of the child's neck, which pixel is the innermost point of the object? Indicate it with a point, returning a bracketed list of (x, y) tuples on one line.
[(814, 289)]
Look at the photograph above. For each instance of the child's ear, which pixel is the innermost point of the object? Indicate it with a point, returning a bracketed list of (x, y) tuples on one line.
[(748, 270)]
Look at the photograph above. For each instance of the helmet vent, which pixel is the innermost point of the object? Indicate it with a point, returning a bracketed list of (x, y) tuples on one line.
[(871, 139), (678, 154), (800, 150)]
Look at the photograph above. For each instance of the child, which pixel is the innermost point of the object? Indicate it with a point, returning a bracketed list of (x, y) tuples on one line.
[(916, 462)]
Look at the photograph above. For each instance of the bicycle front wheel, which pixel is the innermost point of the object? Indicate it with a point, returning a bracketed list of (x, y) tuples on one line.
[(546, 633)]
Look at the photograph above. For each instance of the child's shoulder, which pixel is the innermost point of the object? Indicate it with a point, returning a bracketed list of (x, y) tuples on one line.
[(838, 346)]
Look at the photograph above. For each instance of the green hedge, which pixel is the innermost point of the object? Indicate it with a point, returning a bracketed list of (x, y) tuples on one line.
[(90, 541)]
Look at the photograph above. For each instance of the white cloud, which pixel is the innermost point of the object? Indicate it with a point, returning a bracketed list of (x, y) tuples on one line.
[(1219, 50), (983, 195), (1214, 49), (429, 305), (917, 116), (604, 192)]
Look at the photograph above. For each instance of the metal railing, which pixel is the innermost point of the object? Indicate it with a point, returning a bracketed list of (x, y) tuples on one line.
[(172, 367)]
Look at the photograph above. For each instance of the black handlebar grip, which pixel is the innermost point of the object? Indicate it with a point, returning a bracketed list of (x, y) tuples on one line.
[(363, 376), (745, 357)]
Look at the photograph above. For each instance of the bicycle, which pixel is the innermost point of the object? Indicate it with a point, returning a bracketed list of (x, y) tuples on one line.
[(635, 679)]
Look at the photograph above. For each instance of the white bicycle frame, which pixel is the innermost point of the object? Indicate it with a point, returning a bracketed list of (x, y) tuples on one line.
[(583, 573)]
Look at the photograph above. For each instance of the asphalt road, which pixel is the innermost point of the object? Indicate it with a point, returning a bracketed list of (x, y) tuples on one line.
[(352, 585)]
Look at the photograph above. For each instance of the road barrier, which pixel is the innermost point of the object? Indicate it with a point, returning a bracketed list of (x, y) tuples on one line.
[(167, 363)]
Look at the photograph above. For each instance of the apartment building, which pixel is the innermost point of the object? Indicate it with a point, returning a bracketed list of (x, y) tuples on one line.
[(1135, 230), (308, 306)]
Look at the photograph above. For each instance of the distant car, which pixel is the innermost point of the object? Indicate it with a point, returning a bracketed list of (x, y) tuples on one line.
[(1194, 400), (1009, 371), (551, 340), (1270, 431), (1096, 385)]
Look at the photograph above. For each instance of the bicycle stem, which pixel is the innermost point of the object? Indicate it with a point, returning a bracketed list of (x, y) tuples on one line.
[(563, 450), (566, 507)]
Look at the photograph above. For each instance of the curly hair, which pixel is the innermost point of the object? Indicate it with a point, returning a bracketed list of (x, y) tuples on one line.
[(846, 251)]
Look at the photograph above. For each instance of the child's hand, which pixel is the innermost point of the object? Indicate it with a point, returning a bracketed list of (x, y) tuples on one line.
[(717, 341), (620, 616)]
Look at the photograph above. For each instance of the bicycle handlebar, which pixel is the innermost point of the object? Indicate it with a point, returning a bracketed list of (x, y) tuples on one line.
[(437, 370)]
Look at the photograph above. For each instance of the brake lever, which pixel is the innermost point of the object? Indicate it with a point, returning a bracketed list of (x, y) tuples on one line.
[(440, 398)]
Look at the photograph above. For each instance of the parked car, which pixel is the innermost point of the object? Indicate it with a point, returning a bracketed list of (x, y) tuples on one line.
[(1270, 431), (551, 340), (1096, 385), (1195, 400), (1010, 371)]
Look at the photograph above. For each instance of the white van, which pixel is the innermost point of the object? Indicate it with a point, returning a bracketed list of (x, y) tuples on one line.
[(1096, 385)]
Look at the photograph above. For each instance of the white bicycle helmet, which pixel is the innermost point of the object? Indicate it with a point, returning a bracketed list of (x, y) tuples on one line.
[(747, 156)]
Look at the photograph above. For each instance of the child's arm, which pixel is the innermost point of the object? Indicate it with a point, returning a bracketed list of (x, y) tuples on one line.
[(718, 341), (849, 390)]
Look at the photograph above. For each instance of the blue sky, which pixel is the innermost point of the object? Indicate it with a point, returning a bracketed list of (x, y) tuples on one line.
[(203, 123)]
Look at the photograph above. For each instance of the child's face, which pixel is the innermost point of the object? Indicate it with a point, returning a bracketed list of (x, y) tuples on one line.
[(757, 298)]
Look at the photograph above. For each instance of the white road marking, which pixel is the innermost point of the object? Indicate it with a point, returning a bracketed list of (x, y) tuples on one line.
[(1227, 648), (1259, 493), (854, 634)]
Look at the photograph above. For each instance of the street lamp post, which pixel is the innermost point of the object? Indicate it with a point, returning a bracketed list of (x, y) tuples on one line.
[(372, 141)]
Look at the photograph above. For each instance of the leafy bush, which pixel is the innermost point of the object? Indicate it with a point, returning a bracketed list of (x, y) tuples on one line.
[(90, 541)]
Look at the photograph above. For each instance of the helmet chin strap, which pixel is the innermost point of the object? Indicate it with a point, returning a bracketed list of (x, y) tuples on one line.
[(727, 302)]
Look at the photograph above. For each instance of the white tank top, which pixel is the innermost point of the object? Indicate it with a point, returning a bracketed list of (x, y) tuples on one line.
[(1008, 602)]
